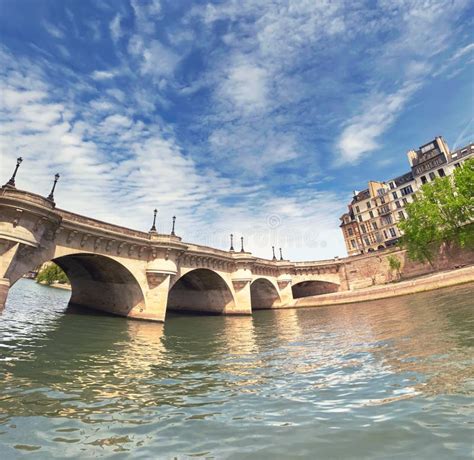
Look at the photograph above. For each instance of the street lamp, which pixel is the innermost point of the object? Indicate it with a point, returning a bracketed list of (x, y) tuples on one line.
[(51, 195), (273, 250), (242, 244), (11, 182), (172, 230), (153, 227), (281, 255), (231, 242)]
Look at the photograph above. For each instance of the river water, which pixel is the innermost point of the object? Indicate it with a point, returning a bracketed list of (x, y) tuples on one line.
[(387, 379)]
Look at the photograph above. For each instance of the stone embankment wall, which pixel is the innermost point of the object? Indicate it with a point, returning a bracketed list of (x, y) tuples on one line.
[(374, 269), (425, 283)]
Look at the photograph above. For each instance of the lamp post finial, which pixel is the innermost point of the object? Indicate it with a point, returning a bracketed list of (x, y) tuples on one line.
[(11, 182), (51, 194), (153, 227), (172, 229)]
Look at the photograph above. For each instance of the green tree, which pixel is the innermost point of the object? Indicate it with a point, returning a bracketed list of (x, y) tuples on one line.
[(443, 212), (52, 273), (395, 264)]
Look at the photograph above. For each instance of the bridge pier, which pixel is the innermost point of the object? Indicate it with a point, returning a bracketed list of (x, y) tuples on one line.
[(156, 299), (4, 288), (243, 301)]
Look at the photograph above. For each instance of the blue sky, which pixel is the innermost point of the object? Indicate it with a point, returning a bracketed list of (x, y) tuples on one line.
[(252, 117)]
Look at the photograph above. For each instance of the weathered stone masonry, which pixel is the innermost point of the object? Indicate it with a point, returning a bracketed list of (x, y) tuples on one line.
[(141, 275)]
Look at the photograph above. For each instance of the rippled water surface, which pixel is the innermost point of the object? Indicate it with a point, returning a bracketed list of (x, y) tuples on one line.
[(387, 379)]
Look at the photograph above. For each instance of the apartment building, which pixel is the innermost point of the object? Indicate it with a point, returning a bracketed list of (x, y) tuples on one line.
[(373, 214)]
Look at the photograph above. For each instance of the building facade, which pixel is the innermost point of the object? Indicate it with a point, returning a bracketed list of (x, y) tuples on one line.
[(371, 222)]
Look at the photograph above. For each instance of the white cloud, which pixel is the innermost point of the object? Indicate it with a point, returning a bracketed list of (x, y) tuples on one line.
[(53, 30), (468, 49), (363, 131), (103, 74), (404, 67), (115, 27), (245, 86), (158, 59)]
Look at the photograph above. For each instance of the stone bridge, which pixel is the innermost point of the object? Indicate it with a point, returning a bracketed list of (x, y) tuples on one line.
[(142, 275)]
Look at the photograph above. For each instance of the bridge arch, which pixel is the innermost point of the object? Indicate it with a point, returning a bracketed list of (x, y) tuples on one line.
[(263, 294), (97, 281), (102, 283), (201, 290), (313, 287)]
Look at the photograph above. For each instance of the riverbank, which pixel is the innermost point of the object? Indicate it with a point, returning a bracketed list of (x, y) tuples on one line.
[(413, 286), (64, 286)]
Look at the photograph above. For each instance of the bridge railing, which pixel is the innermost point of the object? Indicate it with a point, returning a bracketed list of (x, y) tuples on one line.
[(68, 216)]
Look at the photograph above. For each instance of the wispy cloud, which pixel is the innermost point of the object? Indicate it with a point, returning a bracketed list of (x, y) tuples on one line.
[(363, 131), (229, 114), (103, 74), (53, 30), (116, 28), (409, 56)]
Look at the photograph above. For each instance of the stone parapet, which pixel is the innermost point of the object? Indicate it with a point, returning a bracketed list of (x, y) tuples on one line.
[(426, 283)]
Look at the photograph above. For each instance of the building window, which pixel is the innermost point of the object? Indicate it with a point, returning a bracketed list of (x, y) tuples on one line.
[(405, 201), (441, 172), (386, 220), (368, 204), (392, 232), (457, 165), (395, 196), (397, 203), (350, 231), (360, 218), (407, 190), (423, 180), (371, 214), (362, 228), (432, 176), (401, 215), (357, 209), (367, 241), (374, 225), (382, 200), (353, 244), (392, 185)]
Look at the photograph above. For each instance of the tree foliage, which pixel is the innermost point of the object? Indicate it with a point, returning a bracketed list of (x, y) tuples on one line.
[(443, 212), (52, 273), (395, 264)]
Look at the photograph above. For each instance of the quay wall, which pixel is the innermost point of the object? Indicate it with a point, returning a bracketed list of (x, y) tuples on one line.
[(374, 269), (427, 283)]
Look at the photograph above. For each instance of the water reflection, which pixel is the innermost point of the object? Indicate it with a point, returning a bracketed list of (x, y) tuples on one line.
[(283, 382)]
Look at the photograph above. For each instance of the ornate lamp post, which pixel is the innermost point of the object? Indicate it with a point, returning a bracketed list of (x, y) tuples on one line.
[(11, 182), (172, 229), (153, 227), (242, 244), (273, 250), (231, 242), (281, 255), (51, 195)]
